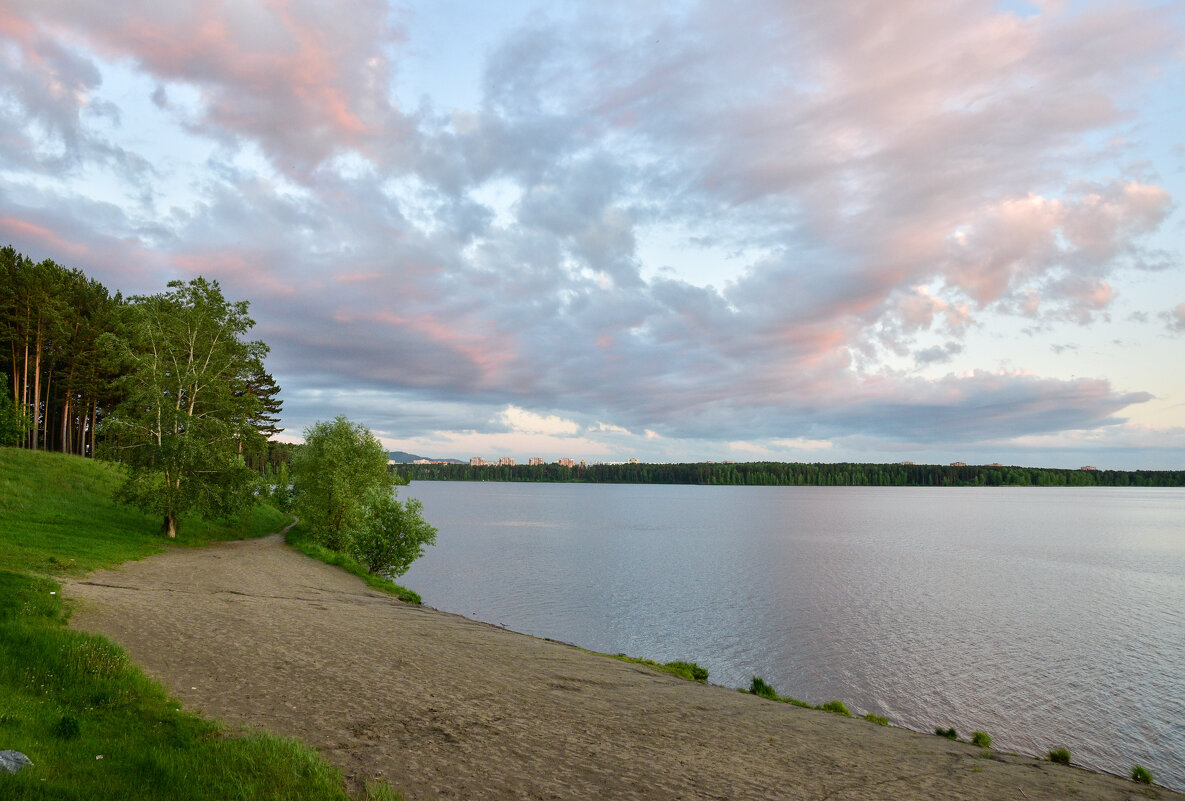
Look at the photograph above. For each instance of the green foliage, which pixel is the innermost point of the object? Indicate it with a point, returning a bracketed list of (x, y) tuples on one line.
[(14, 424), (187, 408), (758, 686), (300, 539), (1060, 755), (394, 536), (877, 719), (949, 734), (337, 473), (836, 708), (981, 739), (1141, 774), (688, 670)]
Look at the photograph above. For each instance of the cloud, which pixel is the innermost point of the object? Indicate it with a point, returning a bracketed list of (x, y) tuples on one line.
[(876, 174), (524, 421), (1175, 319)]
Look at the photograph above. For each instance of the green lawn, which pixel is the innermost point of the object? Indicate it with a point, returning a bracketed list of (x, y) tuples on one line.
[(94, 726)]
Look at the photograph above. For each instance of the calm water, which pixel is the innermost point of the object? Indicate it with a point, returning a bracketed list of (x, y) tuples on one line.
[(1046, 617)]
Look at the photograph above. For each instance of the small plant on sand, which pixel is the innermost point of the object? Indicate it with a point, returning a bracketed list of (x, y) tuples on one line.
[(688, 670), (1060, 755), (877, 719), (759, 687), (1141, 774), (949, 734), (836, 708), (981, 739)]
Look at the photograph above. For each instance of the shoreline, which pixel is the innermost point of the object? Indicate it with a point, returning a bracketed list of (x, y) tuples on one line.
[(444, 706)]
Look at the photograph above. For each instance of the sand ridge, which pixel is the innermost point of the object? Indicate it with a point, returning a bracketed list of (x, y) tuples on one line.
[(442, 707)]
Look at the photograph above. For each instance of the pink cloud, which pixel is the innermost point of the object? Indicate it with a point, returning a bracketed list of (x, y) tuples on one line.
[(303, 79)]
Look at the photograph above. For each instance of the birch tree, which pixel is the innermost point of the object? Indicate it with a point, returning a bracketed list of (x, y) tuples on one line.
[(184, 415)]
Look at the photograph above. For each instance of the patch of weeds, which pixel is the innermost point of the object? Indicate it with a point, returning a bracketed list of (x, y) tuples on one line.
[(67, 728), (1141, 774), (981, 739), (759, 687), (1060, 755), (877, 719), (949, 734), (836, 708), (688, 670)]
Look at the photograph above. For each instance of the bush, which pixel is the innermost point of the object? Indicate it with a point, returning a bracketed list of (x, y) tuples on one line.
[(394, 536), (981, 739), (1060, 755), (1141, 774), (759, 687), (949, 734), (836, 708), (877, 719)]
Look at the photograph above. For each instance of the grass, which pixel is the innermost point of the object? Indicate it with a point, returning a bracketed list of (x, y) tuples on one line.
[(1060, 755), (981, 739), (949, 734), (684, 670), (759, 686), (877, 719), (94, 726), (300, 539), (1141, 774), (59, 520)]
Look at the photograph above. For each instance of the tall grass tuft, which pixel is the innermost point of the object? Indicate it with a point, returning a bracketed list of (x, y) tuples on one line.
[(981, 739), (1060, 755), (1141, 774)]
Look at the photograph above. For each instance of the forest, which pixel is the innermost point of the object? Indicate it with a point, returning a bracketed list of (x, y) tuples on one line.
[(68, 360), (800, 474)]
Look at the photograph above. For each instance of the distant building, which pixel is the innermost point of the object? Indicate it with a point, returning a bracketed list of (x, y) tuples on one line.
[(907, 463), (632, 460), (535, 461), (565, 462), (958, 464), (1088, 467), (995, 464), (582, 465), (477, 461), (505, 461)]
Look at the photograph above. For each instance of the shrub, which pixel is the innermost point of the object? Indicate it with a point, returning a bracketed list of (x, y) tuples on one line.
[(759, 687), (981, 739), (1060, 755), (1141, 774), (949, 734), (394, 536), (836, 708), (688, 670), (877, 719)]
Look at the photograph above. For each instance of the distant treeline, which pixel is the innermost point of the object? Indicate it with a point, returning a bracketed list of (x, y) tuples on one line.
[(775, 474)]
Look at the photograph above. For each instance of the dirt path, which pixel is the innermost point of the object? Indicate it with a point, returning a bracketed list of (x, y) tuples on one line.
[(442, 707)]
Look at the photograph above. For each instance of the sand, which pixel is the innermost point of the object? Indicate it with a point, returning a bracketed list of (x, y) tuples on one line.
[(441, 707)]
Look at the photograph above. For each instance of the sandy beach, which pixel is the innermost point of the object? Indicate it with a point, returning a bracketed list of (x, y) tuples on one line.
[(441, 707)]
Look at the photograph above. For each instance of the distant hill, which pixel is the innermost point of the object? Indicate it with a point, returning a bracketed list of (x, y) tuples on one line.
[(403, 457)]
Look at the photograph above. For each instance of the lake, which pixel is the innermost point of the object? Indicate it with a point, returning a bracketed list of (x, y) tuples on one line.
[(1047, 617)]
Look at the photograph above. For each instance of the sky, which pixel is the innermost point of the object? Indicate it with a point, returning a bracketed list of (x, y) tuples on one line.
[(681, 231)]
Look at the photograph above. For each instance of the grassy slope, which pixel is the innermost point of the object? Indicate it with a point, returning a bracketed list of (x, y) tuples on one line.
[(94, 726)]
